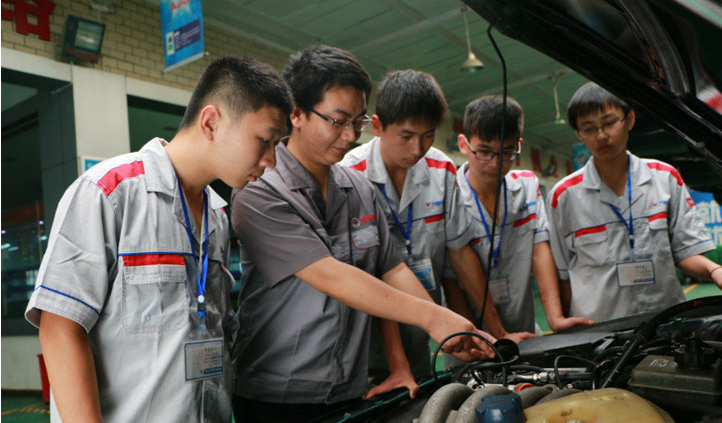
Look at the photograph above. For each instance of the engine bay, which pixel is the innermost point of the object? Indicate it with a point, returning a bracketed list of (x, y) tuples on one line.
[(655, 367)]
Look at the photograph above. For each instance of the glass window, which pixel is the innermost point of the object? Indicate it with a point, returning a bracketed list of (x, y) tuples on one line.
[(24, 236)]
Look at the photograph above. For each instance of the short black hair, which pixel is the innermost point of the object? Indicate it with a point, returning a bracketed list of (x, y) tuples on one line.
[(317, 69), (410, 95), (591, 98), (240, 83), (484, 115)]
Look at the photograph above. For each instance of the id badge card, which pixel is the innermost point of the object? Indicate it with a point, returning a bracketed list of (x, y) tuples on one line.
[(203, 353), (423, 271), (635, 273), (499, 290)]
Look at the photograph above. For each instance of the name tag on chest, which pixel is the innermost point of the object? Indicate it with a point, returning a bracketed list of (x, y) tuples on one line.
[(499, 290), (424, 272), (635, 273), (203, 359)]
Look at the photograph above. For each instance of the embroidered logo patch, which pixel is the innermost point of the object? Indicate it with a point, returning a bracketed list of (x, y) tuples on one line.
[(356, 222)]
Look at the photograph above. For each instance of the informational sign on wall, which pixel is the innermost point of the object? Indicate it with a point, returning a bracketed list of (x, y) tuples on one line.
[(711, 213), (86, 162), (581, 155), (182, 25)]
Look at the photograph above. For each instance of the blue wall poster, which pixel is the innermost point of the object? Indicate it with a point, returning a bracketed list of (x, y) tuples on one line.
[(710, 212), (86, 162), (182, 25), (581, 154)]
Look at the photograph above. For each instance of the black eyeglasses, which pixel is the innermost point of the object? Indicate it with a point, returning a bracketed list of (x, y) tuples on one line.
[(486, 155), (611, 126), (342, 125)]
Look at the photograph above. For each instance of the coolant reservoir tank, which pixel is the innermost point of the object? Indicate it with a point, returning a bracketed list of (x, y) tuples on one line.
[(609, 405)]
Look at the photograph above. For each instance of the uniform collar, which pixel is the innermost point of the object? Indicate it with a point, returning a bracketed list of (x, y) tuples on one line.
[(160, 175), (640, 174), (461, 180), (416, 177), (298, 177), (468, 195), (512, 184)]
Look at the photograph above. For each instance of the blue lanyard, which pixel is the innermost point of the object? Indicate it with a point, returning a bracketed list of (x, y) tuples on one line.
[(495, 256), (407, 232), (630, 226), (200, 278)]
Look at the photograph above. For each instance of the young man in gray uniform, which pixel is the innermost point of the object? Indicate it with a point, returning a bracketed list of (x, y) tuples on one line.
[(620, 224), (132, 297), (322, 258), (521, 240), (417, 187)]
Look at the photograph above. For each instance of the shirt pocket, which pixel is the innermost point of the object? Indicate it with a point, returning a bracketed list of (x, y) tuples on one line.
[(657, 239), (591, 246), (435, 223), (155, 297), (658, 222), (365, 238), (364, 247)]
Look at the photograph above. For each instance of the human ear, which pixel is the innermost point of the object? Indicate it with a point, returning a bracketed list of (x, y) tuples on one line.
[(631, 119), (209, 120), (376, 125), (462, 141), (296, 117)]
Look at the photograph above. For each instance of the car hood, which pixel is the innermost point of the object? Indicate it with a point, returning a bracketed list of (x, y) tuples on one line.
[(662, 57)]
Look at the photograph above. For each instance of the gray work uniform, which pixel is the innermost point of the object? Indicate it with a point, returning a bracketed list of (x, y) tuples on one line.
[(439, 222), (522, 215), (296, 344), (119, 263), (590, 242)]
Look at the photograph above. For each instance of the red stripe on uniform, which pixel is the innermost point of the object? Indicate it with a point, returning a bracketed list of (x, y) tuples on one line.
[(587, 231), (666, 168), (524, 174), (476, 240), (153, 259), (361, 166), (114, 177), (525, 220), (690, 202), (439, 164), (661, 215), (561, 188), (434, 218)]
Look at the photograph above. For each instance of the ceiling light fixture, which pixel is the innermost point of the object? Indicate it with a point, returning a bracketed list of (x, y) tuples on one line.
[(471, 64), (558, 120)]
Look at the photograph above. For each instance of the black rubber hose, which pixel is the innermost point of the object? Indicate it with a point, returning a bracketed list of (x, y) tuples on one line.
[(526, 367), (441, 344), (647, 330)]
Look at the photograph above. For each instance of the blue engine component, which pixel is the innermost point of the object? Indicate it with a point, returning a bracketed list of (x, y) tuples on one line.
[(501, 409)]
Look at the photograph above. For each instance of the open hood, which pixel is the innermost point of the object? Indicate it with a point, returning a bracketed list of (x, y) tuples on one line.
[(664, 57)]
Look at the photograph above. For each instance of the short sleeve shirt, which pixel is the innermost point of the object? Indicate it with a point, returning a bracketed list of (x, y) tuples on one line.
[(296, 344), (521, 224), (119, 263), (438, 221), (589, 240)]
